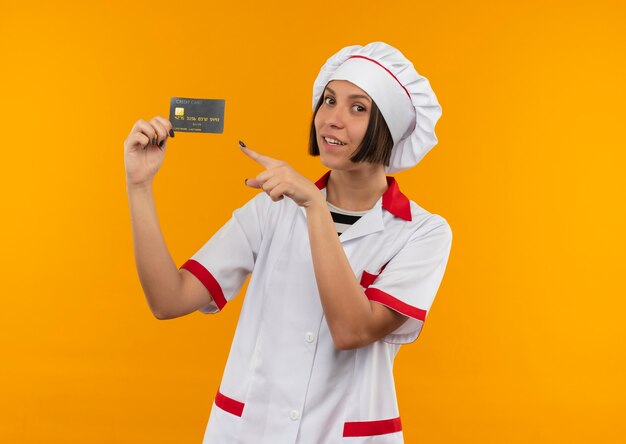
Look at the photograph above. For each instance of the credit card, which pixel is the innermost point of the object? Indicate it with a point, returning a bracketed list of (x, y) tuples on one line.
[(197, 115)]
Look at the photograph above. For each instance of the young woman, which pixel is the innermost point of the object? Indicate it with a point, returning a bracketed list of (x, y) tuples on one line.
[(344, 269)]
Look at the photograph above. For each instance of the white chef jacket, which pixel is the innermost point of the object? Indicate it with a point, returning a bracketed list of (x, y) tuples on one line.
[(284, 381)]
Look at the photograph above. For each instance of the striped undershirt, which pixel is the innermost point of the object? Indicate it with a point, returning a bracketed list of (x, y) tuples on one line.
[(344, 218)]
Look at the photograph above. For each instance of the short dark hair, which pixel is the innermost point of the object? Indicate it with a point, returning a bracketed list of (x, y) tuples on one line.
[(376, 144)]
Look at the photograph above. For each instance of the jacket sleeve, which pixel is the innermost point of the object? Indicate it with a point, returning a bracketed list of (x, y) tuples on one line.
[(409, 282), (228, 257)]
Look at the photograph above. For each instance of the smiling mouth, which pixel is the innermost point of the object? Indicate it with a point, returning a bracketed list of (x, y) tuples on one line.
[(331, 141)]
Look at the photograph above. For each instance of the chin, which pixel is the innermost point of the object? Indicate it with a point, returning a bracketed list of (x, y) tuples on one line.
[(332, 162), (335, 160)]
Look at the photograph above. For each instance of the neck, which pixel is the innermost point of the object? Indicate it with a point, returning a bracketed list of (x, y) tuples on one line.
[(356, 190)]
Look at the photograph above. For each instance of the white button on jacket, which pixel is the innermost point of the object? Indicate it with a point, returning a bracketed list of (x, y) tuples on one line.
[(280, 389)]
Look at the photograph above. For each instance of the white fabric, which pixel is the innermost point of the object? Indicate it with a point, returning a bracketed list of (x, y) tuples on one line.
[(385, 77), (346, 212), (283, 365)]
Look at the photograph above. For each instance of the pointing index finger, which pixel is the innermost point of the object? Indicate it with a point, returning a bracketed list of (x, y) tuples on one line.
[(266, 161)]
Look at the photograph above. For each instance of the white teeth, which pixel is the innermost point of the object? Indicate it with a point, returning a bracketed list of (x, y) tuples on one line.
[(333, 141)]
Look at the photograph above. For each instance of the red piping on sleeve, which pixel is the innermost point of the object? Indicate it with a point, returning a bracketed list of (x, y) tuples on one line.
[(229, 405), (371, 428), (374, 294), (207, 279)]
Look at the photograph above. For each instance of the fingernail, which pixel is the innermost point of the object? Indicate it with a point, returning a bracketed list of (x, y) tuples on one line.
[(243, 145), (154, 140), (245, 181), (161, 143), (171, 133)]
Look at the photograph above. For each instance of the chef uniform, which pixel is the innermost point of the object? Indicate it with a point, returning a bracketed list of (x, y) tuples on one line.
[(285, 382)]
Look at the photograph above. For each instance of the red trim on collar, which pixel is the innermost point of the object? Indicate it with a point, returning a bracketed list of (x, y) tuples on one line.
[(393, 200), (321, 183)]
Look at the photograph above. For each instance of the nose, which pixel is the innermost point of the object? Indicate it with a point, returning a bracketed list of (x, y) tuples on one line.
[(335, 117)]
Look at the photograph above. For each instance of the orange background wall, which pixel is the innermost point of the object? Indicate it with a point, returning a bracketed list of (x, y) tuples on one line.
[(525, 341)]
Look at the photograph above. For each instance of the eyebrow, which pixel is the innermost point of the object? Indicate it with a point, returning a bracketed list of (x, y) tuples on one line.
[(351, 96)]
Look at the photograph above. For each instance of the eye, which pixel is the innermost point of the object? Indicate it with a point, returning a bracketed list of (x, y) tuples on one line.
[(329, 100), (359, 108)]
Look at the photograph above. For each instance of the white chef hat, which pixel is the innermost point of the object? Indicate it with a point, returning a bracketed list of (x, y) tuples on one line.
[(404, 97)]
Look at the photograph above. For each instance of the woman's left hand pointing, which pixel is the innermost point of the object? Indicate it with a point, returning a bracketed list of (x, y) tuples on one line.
[(279, 179)]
